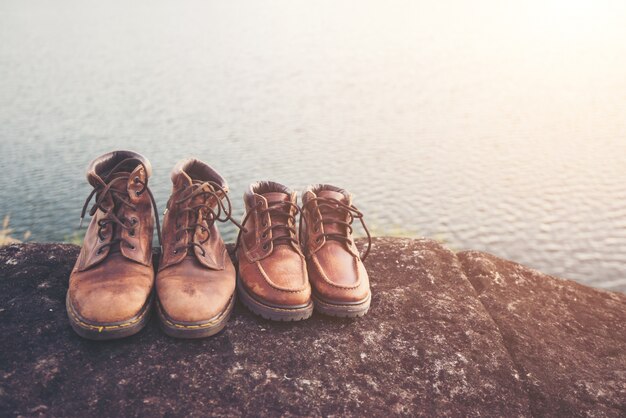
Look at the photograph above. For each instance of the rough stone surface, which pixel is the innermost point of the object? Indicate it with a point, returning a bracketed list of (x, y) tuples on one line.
[(429, 346), (568, 341)]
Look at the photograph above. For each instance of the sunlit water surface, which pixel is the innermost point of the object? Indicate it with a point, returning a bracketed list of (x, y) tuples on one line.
[(486, 126)]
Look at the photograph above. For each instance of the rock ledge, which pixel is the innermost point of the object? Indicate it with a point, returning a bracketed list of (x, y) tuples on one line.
[(447, 334)]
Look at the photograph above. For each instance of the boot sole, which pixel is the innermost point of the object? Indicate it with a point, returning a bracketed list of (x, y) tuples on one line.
[(273, 313), (343, 310), (110, 330), (200, 329)]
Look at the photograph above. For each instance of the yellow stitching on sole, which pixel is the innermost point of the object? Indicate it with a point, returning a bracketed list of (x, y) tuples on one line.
[(205, 325), (101, 328)]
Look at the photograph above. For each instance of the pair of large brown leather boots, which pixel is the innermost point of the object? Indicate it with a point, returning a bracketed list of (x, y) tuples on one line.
[(111, 287)]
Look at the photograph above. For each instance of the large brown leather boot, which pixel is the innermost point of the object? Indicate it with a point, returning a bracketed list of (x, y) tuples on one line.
[(272, 279), (110, 289), (338, 278), (196, 279)]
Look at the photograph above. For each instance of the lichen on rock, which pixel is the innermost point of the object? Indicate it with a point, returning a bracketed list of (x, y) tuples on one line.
[(447, 334)]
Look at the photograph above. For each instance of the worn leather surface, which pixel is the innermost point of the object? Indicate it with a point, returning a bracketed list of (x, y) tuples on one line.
[(194, 283), (93, 250), (112, 291), (191, 292), (112, 283), (335, 269), (272, 272)]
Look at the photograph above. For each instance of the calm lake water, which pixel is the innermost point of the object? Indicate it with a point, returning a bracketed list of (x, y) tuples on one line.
[(490, 127)]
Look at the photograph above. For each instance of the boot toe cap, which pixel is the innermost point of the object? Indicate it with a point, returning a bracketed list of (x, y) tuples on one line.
[(190, 301), (109, 305), (340, 282), (294, 289), (343, 295), (280, 297), (180, 306)]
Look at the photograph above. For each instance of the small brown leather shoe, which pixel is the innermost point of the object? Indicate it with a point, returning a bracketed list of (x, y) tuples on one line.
[(338, 278), (196, 279), (272, 279), (110, 289)]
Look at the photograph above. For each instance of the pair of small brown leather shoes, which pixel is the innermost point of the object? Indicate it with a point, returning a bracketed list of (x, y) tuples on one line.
[(285, 273), (111, 287)]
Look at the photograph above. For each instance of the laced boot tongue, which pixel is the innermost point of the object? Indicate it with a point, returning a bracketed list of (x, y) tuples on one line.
[(203, 201), (274, 199), (202, 198), (329, 214), (121, 188), (199, 201), (205, 198)]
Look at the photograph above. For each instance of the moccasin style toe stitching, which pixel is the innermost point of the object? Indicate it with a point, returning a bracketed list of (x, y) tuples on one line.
[(272, 312), (338, 277), (272, 275)]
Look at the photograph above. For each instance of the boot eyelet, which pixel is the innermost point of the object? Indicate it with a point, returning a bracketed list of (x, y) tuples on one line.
[(137, 193), (266, 247), (264, 235), (316, 229), (264, 224), (318, 239), (131, 232), (175, 252), (132, 247)]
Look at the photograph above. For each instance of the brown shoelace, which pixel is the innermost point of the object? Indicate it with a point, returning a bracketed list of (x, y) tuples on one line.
[(207, 217), (276, 209), (337, 206), (105, 189)]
